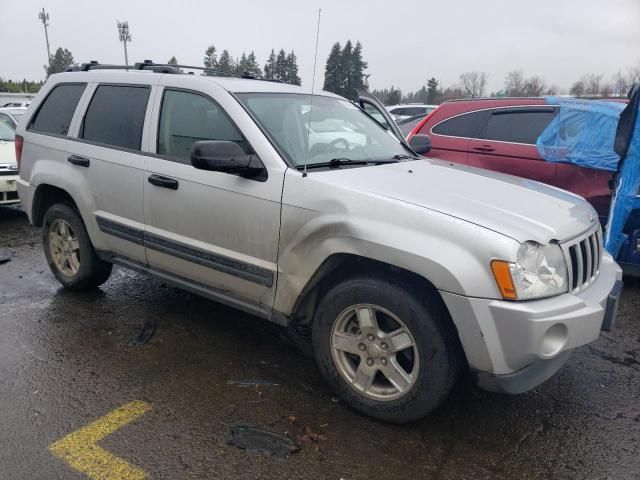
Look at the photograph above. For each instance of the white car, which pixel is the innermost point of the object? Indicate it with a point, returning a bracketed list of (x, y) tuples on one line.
[(400, 112), (15, 112), (16, 104), (8, 166)]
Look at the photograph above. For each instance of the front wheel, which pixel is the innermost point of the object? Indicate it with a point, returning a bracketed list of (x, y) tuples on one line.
[(387, 350), (69, 250)]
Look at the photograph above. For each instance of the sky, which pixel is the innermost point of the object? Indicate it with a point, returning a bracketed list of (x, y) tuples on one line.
[(404, 43)]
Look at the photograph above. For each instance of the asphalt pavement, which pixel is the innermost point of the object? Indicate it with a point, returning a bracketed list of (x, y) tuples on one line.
[(189, 379)]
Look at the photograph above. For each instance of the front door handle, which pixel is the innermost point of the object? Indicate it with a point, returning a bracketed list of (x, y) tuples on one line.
[(484, 148), (164, 182), (78, 160)]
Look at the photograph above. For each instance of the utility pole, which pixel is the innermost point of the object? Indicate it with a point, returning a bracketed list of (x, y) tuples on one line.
[(44, 18), (125, 36)]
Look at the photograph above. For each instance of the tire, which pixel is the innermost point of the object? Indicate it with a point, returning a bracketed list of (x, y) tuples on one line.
[(435, 348), (86, 270)]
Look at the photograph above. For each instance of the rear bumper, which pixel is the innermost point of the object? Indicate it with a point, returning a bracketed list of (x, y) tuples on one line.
[(8, 189), (514, 346)]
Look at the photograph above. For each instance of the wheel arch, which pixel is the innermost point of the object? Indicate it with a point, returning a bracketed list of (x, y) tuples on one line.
[(341, 266), (44, 197)]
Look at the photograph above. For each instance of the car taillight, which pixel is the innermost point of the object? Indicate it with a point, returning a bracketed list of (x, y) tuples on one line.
[(19, 141)]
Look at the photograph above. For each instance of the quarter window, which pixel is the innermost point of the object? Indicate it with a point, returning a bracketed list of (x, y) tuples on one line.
[(467, 125), (116, 116), (55, 114), (186, 118), (523, 126)]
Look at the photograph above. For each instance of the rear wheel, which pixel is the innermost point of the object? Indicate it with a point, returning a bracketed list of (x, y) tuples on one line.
[(388, 351), (69, 251)]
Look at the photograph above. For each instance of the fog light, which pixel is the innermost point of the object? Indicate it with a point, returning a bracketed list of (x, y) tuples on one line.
[(554, 340)]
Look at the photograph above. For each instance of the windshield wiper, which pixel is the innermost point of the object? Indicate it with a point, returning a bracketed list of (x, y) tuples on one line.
[(338, 162)]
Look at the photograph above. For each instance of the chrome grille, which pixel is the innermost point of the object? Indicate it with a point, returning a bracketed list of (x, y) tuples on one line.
[(583, 255)]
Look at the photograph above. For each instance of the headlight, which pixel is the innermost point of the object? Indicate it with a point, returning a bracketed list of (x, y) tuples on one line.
[(539, 271)]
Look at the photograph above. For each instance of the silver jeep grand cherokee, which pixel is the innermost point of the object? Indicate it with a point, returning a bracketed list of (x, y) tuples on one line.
[(399, 271)]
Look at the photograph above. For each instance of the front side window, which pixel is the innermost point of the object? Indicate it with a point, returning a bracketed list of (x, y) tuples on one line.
[(517, 126), (186, 118), (320, 129), (115, 116), (55, 114)]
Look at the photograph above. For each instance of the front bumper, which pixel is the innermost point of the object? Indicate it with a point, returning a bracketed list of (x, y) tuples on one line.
[(8, 189), (514, 346)]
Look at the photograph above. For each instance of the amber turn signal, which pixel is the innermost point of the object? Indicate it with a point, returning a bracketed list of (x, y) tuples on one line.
[(502, 273)]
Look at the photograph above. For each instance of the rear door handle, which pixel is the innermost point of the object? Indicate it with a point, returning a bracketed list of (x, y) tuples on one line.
[(164, 182), (78, 160), (484, 148)]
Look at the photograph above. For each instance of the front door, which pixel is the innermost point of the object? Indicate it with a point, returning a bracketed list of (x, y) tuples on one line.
[(215, 230)]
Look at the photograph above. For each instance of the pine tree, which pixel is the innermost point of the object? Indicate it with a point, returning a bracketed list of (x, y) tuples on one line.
[(358, 67), (226, 66), (210, 60), (333, 79), (60, 61), (347, 71), (394, 97), (270, 66), (281, 66), (172, 61), (253, 68), (432, 90), (292, 69), (242, 64)]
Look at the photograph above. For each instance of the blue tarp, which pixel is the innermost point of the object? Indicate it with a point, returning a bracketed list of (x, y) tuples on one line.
[(627, 194), (583, 133)]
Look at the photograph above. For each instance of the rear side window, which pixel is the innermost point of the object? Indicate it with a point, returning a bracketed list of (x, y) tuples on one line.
[(55, 114), (186, 118), (467, 125), (517, 126), (115, 116)]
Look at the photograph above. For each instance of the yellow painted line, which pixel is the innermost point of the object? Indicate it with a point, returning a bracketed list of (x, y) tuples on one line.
[(79, 448)]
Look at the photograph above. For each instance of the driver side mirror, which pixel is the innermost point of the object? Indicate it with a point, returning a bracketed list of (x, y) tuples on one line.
[(420, 144), (227, 157)]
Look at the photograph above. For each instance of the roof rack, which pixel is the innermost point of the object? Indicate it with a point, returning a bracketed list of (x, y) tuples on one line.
[(149, 65)]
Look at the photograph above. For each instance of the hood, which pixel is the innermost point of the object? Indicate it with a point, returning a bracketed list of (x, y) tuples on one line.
[(7, 153), (516, 207)]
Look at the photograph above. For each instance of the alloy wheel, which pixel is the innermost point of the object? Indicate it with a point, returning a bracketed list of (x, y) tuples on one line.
[(375, 352)]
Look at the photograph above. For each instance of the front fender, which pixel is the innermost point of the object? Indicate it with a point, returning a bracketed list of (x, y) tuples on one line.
[(454, 255)]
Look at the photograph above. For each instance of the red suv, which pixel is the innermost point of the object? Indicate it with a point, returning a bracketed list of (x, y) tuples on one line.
[(500, 134)]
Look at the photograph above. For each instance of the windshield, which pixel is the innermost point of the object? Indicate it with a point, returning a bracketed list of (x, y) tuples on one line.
[(318, 132), (6, 133)]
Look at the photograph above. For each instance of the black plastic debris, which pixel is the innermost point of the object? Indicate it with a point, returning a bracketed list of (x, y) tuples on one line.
[(4, 260), (147, 331), (254, 440)]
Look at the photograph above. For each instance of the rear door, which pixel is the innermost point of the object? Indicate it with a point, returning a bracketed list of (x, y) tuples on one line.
[(506, 143), (108, 155)]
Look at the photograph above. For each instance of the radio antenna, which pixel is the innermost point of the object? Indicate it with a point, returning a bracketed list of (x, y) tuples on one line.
[(313, 85)]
